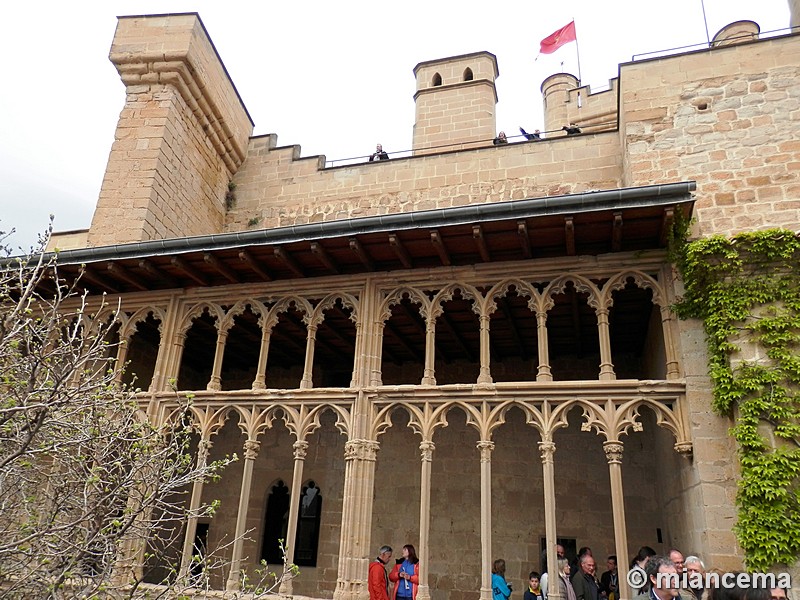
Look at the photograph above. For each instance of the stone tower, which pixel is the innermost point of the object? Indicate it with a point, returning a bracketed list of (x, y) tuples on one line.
[(559, 94), (455, 103), (181, 135)]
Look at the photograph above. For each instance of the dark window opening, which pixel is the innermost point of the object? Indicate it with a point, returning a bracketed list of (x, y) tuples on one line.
[(142, 353), (241, 352), (308, 525), (468, 76), (403, 354), (437, 79), (198, 353)]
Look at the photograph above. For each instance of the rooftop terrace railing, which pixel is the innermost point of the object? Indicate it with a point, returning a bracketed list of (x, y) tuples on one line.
[(472, 144)]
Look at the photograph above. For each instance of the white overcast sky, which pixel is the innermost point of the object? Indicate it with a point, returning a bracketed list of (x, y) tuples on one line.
[(333, 77)]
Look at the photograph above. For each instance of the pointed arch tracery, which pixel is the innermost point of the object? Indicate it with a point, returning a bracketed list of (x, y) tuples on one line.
[(301, 421), (397, 295), (284, 305), (501, 289), (329, 301), (641, 279), (214, 311), (447, 293), (581, 283), (257, 308)]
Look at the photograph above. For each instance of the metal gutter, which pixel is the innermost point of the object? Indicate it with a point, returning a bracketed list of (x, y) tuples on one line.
[(637, 197)]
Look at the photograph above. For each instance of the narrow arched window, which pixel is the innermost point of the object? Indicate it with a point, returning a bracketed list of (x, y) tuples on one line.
[(437, 79), (468, 74), (305, 553), (275, 523)]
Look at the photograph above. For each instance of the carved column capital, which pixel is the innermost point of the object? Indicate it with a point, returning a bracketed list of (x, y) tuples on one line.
[(426, 449), (300, 448), (685, 449), (613, 452), (547, 450), (203, 449), (361, 450), (486, 448), (251, 448)]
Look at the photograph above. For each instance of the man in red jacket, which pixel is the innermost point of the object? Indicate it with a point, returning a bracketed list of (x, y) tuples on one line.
[(378, 581)]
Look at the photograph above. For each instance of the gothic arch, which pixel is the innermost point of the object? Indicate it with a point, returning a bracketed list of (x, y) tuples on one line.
[(502, 288), (214, 311), (129, 324), (581, 283), (348, 301), (237, 309), (284, 304), (397, 295), (302, 421), (641, 279), (447, 293)]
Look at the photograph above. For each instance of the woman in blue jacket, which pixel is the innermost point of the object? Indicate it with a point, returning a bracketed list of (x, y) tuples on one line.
[(500, 589)]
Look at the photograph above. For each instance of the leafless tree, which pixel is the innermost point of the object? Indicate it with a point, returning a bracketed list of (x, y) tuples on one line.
[(92, 492)]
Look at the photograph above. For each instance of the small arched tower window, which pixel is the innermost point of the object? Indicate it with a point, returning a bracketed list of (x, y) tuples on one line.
[(437, 79), (468, 74)]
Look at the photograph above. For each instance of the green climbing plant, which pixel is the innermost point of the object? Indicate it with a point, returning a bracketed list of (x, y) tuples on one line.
[(746, 290)]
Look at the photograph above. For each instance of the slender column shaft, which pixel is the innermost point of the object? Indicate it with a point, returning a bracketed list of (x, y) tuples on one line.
[(307, 381), (300, 448), (669, 346), (429, 375), (250, 453), (122, 355), (194, 503), (215, 383), (613, 450), (260, 382), (376, 362), (547, 450), (426, 453), (543, 373), (486, 448), (485, 375), (606, 366)]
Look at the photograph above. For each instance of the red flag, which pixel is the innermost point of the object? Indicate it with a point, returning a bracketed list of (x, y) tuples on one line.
[(555, 40)]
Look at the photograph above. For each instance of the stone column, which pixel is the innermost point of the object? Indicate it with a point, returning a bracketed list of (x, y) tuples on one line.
[(606, 366), (547, 450), (179, 343), (543, 373), (354, 553), (669, 345), (300, 448), (203, 449), (307, 381), (122, 354), (486, 448), (250, 453), (260, 382), (215, 382), (613, 450), (485, 375), (376, 361), (429, 376), (426, 452)]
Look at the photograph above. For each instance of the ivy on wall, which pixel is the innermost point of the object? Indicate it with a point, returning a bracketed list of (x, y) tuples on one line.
[(746, 290)]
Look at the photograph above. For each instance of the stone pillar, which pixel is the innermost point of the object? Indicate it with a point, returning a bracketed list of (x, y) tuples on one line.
[(429, 376), (300, 448), (179, 343), (606, 365), (613, 450), (260, 382), (215, 383), (547, 450), (669, 344), (376, 368), (203, 449), (250, 453), (543, 373), (485, 375), (307, 381), (486, 448), (354, 555), (426, 452), (122, 354)]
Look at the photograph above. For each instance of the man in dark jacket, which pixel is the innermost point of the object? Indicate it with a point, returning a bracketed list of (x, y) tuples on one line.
[(584, 582)]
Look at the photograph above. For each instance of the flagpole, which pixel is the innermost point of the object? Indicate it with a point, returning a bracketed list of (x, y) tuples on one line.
[(578, 52)]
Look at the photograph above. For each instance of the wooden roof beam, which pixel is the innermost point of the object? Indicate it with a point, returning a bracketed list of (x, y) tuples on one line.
[(95, 279), (149, 268), (477, 235), (248, 258), (192, 274), (122, 273), (400, 251), (524, 240), (616, 233), (323, 256), (438, 243), (666, 225), (289, 261), (223, 270), (356, 247), (569, 235)]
